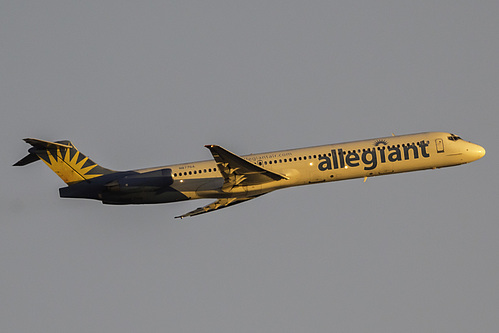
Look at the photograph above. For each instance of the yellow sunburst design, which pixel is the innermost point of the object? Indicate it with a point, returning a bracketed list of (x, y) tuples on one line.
[(69, 169)]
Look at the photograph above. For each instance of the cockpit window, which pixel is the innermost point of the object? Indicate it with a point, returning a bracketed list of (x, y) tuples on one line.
[(453, 137)]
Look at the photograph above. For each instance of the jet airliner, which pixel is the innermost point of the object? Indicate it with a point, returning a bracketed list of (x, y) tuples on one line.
[(232, 179)]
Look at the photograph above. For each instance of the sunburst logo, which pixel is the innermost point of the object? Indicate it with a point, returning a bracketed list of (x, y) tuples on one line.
[(69, 164), (380, 142)]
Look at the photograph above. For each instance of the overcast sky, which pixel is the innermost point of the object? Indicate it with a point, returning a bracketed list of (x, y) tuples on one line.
[(146, 83)]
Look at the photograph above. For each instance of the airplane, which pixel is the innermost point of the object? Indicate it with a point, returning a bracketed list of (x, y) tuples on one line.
[(233, 179)]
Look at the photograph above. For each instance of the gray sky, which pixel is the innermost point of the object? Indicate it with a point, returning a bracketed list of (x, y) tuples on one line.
[(138, 84)]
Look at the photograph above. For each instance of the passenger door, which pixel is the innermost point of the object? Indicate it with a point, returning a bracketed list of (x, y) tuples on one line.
[(440, 145)]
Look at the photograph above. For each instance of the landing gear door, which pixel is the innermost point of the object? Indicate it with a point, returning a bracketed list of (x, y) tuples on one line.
[(440, 145)]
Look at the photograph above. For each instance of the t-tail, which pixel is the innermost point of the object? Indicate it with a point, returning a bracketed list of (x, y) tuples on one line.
[(64, 159)]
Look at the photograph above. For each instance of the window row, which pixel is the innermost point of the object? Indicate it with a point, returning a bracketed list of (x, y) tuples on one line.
[(383, 147), (194, 172), (295, 159), (286, 160), (329, 154)]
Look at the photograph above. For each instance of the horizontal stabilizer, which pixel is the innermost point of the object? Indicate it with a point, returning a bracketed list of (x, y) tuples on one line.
[(37, 143), (30, 158)]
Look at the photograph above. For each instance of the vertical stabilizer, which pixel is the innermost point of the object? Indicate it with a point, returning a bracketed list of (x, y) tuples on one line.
[(64, 159)]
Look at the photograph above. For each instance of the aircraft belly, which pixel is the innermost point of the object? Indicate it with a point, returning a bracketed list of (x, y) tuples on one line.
[(144, 197)]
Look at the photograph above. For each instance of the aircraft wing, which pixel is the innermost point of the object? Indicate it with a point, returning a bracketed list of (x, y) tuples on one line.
[(238, 171), (219, 204)]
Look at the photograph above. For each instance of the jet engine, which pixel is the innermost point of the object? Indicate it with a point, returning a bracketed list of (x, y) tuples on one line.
[(141, 182)]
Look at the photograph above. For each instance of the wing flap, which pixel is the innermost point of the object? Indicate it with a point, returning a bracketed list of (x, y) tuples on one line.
[(219, 204)]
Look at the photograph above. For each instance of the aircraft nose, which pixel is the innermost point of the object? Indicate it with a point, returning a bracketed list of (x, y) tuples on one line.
[(476, 151), (480, 151)]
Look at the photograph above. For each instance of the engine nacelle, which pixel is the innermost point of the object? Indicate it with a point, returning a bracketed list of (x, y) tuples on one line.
[(140, 182)]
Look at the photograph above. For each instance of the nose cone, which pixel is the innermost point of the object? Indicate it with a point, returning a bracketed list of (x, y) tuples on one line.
[(480, 151), (476, 152)]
